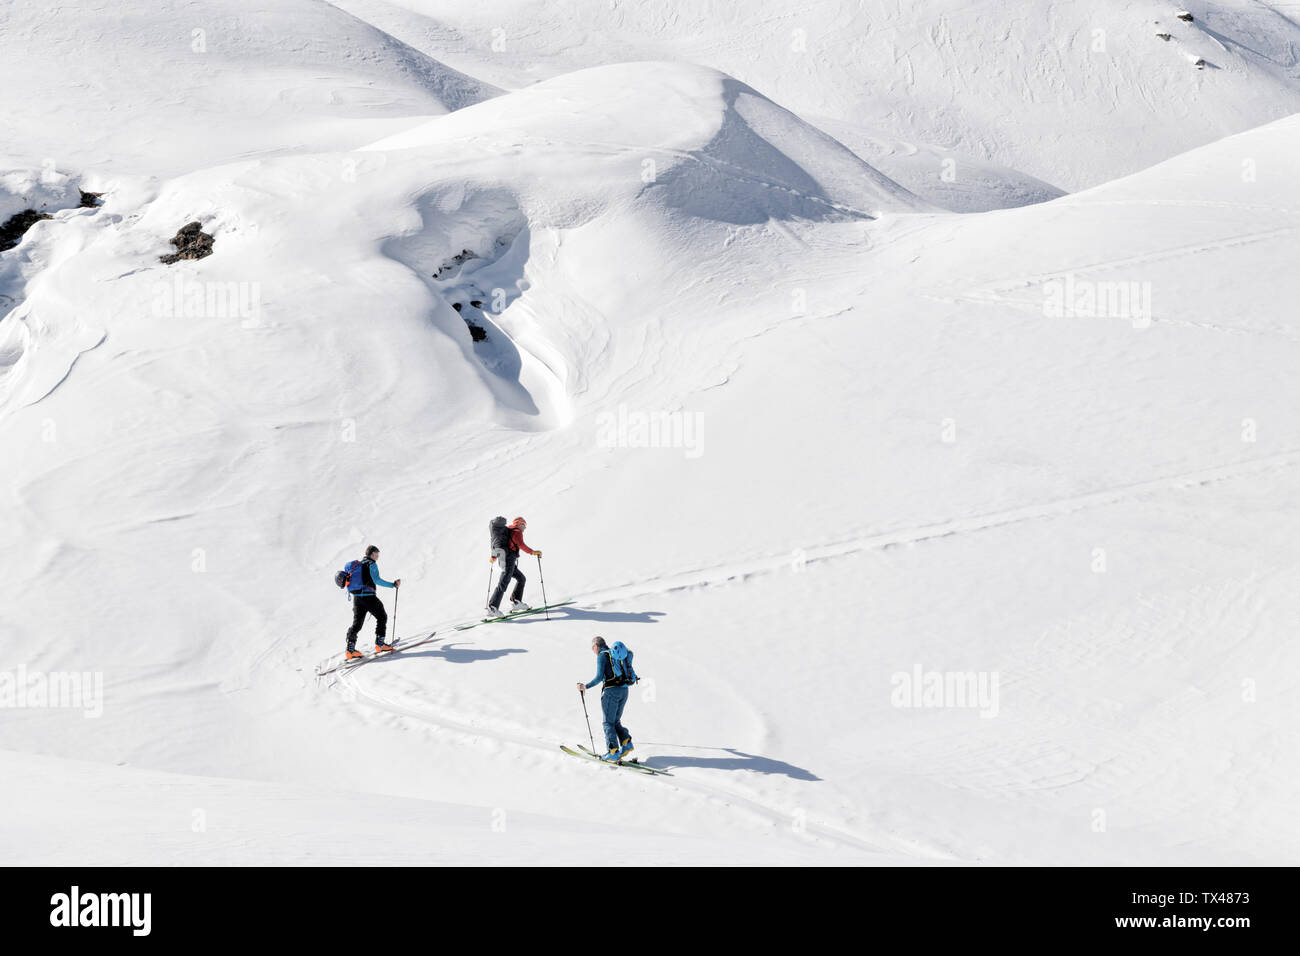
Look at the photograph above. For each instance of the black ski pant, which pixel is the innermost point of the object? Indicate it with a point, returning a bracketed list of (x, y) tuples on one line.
[(361, 606), (509, 569)]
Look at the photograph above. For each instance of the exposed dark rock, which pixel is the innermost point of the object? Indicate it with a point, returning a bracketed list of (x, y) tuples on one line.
[(454, 262), (11, 233), (476, 332), (89, 199), (1185, 17), (191, 242)]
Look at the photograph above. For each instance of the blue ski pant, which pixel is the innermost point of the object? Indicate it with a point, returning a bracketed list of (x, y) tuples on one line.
[(612, 702), (509, 570)]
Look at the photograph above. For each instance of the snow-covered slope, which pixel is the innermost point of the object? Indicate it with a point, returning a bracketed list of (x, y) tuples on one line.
[(701, 142), (1071, 93), (165, 86), (895, 455), (146, 818)]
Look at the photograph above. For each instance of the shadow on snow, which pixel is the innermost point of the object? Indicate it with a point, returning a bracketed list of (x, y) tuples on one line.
[(604, 617), (456, 655), (737, 761)]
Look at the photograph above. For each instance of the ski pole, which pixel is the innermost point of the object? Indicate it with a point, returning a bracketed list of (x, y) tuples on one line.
[(397, 592), (546, 603), (584, 714), (488, 597)]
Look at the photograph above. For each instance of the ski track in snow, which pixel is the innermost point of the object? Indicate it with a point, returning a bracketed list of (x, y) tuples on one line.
[(663, 291), (722, 574), (776, 816), (353, 692), (999, 292)]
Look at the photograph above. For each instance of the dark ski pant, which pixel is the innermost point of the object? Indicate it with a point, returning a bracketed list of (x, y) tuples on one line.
[(361, 606), (509, 570), (612, 702)]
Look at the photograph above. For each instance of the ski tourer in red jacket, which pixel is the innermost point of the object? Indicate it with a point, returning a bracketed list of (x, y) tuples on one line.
[(510, 569)]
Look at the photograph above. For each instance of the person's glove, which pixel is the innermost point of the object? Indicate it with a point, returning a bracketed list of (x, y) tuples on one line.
[(538, 553), (582, 688)]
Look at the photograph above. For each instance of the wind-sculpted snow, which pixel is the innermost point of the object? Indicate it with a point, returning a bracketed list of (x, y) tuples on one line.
[(688, 137), (765, 163), (168, 86), (38, 347), (994, 96), (938, 538)]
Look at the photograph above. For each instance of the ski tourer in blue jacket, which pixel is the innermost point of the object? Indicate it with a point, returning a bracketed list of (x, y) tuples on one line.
[(613, 698), (361, 589)]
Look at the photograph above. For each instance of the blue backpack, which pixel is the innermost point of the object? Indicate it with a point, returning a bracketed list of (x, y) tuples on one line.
[(350, 577), (620, 661)]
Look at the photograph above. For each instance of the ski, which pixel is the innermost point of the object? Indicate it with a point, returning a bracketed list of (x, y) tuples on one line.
[(609, 763), (332, 665), (635, 763), (586, 754), (511, 616)]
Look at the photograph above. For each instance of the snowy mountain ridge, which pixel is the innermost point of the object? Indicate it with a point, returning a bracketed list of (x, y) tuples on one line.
[(1038, 458)]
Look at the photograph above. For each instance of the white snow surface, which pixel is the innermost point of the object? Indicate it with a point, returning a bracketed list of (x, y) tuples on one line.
[(894, 456), (1071, 93)]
